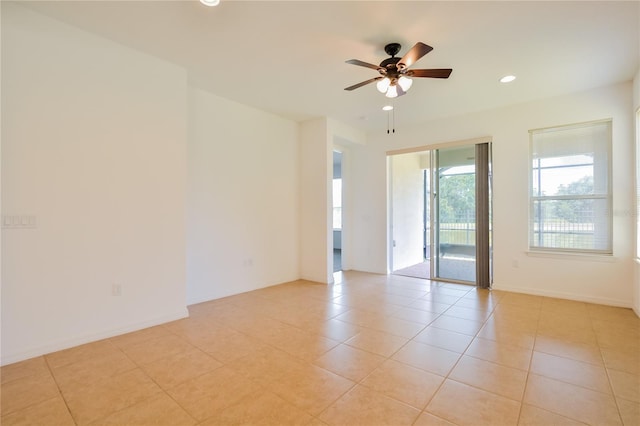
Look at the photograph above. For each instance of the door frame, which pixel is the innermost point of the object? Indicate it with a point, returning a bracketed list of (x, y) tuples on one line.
[(433, 213)]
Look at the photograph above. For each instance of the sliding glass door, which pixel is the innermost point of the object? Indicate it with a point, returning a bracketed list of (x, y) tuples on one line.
[(440, 214), (454, 202)]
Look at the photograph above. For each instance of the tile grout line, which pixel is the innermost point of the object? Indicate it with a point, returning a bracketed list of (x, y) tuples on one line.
[(526, 382), (606, 370), (424, 410), (64, 399), (162, 390), (390, 358)]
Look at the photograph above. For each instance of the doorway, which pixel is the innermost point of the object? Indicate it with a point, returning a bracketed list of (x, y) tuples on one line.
[(411, 214), (438, 228)]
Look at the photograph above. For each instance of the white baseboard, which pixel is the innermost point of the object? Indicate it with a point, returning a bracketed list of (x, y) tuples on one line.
[(317, 279), (569, 296), (88, 338), (207, 297)]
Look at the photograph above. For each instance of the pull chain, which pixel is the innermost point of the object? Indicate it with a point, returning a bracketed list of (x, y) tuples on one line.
[(388, 118), (394, 119), (391, 118)]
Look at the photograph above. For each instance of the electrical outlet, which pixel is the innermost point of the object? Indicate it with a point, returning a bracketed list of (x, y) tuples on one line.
[(116, 290)]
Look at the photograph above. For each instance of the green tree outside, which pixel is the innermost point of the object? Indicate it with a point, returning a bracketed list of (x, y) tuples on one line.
[(457, 198), (574, 210)]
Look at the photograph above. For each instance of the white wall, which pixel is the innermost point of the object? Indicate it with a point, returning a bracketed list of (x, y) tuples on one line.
[(1, 132), (636, 107), (407, 198), (242, 208), (603, 280), (94, 148), (315, 174), (369, 208)]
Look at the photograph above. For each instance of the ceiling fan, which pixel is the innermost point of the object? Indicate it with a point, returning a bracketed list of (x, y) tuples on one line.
[(394, 72)]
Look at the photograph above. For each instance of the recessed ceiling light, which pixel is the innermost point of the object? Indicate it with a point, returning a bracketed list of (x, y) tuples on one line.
[(210, 2), (507, 79), (387, 108)]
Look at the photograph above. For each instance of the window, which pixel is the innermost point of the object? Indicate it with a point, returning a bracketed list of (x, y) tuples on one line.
[(570, 196), (337, 204)]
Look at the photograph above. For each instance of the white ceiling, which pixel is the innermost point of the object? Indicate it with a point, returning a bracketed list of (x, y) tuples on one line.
[(288, 57)]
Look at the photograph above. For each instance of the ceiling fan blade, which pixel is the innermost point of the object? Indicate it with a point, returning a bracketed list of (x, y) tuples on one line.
[(416, 52), (355, 86), (434, 73), (363, 64)]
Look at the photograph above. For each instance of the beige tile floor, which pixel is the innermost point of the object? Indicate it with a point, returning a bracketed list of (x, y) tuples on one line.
[(370, 350)]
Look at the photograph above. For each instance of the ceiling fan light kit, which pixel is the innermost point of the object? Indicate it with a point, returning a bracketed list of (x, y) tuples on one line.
[(394, 72), (392, 91), (393, 88), (405, 82), (383, 85)]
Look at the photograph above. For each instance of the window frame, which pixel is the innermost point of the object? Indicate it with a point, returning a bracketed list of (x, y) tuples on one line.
[(534, 199)]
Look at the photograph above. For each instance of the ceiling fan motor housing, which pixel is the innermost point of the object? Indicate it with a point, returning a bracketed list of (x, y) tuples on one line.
[(390, 64), (389, 69), (392, 49)]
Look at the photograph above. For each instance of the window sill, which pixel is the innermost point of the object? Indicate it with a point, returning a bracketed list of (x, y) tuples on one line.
[(585, 257)]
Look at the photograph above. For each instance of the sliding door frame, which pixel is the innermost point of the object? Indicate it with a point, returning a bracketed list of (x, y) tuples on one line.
[(483, 163)]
